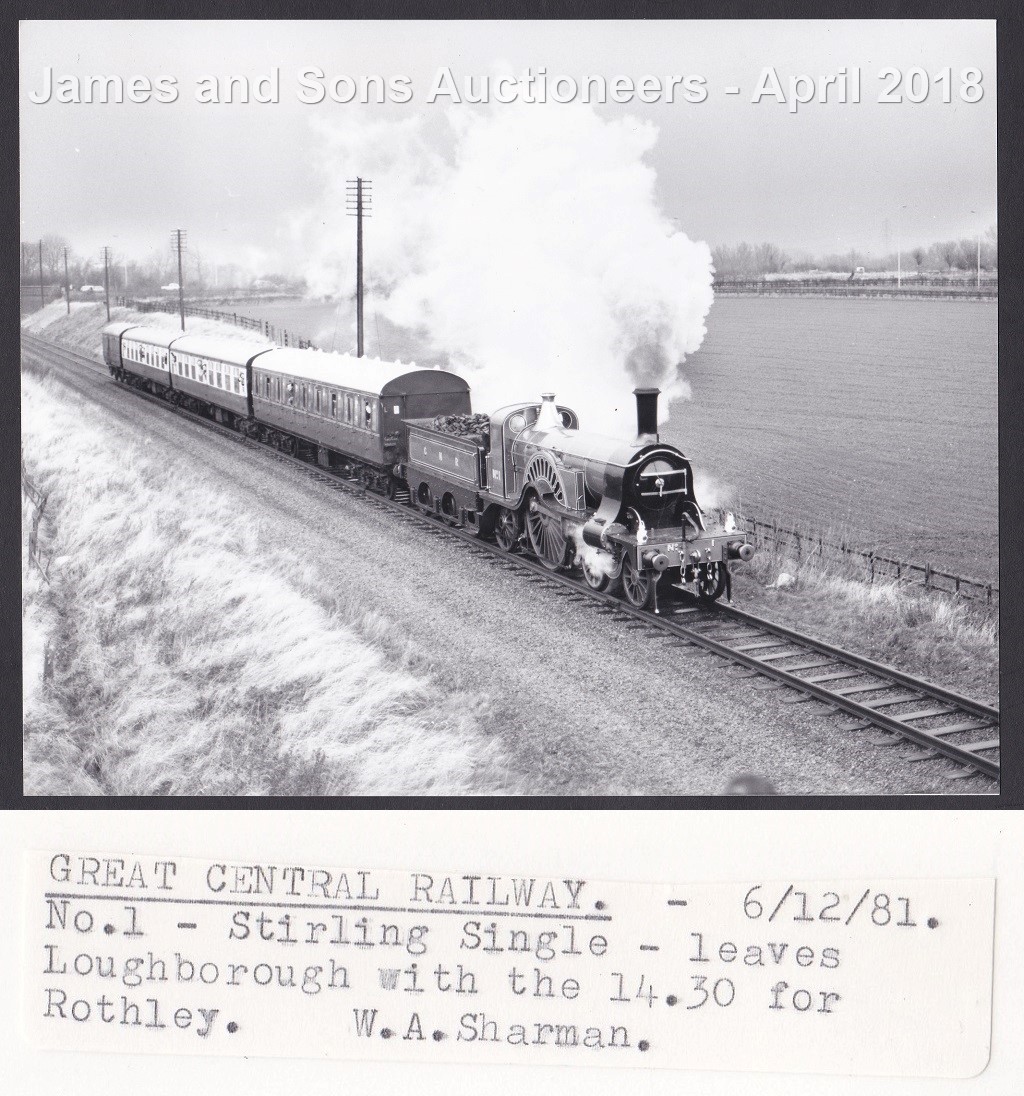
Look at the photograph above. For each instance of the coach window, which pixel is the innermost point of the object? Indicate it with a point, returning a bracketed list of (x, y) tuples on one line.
[(290, 389), (367, 414), (318, 399), (334, 405)]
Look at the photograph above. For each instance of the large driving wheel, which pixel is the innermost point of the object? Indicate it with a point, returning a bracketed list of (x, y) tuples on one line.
[(507, 530), (711, 579), (637, 586), (549, 543)]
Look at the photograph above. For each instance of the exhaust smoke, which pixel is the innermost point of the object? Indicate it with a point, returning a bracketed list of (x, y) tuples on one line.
[(526, 242)]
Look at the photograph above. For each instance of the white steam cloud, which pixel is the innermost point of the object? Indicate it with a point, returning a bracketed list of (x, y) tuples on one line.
[(525, 242)]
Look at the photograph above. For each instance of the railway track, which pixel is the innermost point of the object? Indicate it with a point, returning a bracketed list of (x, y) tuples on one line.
[(931, 723)]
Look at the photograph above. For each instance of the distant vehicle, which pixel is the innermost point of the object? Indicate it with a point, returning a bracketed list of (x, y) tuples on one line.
[(91, 289), (171, 287)]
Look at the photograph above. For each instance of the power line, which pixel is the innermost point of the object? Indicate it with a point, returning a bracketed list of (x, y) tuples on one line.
[(178, 243), (106, 279), (358, 204)]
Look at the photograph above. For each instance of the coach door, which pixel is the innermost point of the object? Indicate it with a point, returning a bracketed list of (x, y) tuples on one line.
[(392, 414)]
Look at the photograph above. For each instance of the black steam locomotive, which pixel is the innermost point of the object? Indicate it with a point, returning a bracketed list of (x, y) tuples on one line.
[(623, 512)]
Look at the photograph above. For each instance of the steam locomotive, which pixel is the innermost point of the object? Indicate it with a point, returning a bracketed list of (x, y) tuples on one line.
[(624, 513)]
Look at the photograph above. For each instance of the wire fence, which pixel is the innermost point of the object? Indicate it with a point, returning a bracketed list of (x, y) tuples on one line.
[(802, 545), (37, 501), (860, 286), (269, 331)]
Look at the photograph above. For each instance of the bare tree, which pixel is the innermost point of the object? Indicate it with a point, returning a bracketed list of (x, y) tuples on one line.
[(990, 249), (53, 256), (918, 255), (968, 254), (769, 259), (948, 253)]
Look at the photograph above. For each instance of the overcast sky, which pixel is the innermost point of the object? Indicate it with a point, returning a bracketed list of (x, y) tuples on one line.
[(829, 177)]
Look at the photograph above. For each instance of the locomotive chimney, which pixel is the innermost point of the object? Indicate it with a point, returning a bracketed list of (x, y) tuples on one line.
[(646, 415)]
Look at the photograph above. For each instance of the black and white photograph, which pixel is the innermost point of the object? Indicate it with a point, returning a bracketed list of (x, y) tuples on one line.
[(509, 408)]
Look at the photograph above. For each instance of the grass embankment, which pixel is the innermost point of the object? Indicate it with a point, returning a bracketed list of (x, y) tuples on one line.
[(169, 653), (930, 635)]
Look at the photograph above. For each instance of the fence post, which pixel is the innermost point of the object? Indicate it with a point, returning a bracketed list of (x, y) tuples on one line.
[(871, 561), (927, 575)]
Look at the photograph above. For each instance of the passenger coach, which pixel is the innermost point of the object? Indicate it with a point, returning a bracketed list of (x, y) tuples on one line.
[(215, 371), (349, 406)]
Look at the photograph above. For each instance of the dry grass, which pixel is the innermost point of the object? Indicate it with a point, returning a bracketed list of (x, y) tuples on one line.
[(185, 658), (930, 635)]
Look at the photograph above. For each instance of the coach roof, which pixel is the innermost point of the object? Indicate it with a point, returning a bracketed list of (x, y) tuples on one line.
[(119, 327), (347, 371), (233, 351), (155, 336)]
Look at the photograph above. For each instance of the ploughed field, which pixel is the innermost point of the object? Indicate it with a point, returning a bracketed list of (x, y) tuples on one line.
[(873, 418), (867, 420)]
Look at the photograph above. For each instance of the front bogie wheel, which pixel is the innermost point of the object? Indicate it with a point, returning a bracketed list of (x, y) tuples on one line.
[(711, 580), (637, 586), (600, 571)]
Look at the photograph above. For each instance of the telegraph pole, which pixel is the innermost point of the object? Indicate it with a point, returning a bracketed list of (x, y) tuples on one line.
[(42, 292), (178, 243), (106, 279), (67, 282), (358, 203)]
